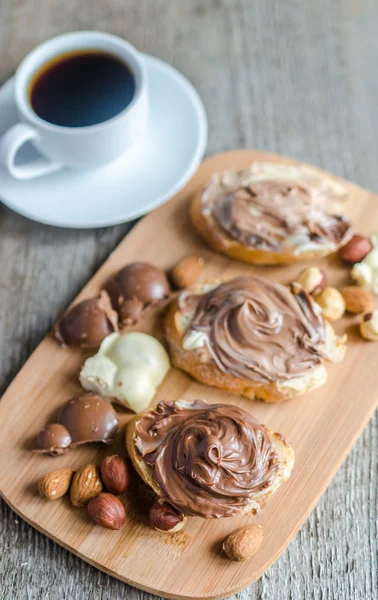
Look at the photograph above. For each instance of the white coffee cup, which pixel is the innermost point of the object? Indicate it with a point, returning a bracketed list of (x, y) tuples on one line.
[(77, 147)]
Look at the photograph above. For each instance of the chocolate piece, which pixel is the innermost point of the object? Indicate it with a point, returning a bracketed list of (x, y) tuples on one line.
[(87, 323), (53, 439), (136, 282), (89, 418), (258, 330), (83, 419), (209, 460), (131, 311)]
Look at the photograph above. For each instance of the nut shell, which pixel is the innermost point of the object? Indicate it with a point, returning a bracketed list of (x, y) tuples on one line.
[(187, 271), (357, 300), (108, 511), (356, 249), (55, 484), (114, 474), (86, 484), (243, 543), (164, 517), (332, 303)]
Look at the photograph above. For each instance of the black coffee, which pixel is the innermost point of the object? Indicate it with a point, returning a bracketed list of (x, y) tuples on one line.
[(81, 88)]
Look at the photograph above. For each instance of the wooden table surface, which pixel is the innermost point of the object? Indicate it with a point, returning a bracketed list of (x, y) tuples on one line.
[(297, 78)]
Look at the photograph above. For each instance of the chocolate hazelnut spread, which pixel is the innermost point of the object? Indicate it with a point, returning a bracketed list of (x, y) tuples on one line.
[(209, 460), (258, 330), (275, 215)]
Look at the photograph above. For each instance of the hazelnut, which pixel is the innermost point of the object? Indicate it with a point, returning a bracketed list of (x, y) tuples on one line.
[(365, 273), (187, 271), (107, 510), (357, 300), (369, 326), (164, 517), (356, 249), (312, 279), (332, 303), (243, 543), (114, 474)]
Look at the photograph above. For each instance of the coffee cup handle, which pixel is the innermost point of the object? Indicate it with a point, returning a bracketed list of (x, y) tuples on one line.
[(10, 144)]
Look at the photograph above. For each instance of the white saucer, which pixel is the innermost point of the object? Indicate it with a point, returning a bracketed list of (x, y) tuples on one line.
[(145, 177)]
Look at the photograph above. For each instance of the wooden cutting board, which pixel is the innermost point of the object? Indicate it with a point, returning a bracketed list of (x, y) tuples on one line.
[(321, 426)]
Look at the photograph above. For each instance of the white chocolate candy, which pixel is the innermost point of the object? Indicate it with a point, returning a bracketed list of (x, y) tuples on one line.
[(128, 368)]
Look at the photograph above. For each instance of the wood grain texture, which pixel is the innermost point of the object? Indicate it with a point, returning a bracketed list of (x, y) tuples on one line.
[(291, 77)]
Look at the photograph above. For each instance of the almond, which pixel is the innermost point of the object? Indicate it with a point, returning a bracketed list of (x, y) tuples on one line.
[(187, 271), (114, 474), (86, 484), (55, 484), (108, 511), (357, 300), (243, 543)]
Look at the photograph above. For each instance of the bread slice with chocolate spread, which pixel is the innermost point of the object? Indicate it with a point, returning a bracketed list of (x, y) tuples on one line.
[(272, 214), (207, 460), (252, 337)]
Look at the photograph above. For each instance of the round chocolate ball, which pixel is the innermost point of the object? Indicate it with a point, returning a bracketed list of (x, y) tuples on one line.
[(88, 323), (89, 418), (138, 280)]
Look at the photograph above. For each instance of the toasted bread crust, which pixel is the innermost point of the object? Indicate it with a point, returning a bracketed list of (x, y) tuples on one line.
[(260, 499), (217, 239)]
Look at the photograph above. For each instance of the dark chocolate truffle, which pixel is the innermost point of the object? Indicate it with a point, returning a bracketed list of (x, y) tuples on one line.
[(87, 323), (139, 282)]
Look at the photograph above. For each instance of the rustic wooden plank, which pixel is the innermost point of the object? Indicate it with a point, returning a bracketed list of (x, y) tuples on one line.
[(292, 77)]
